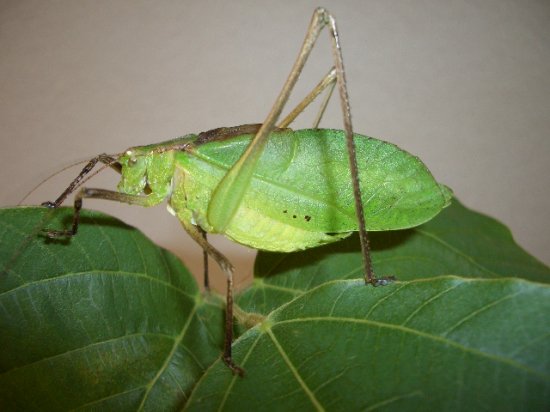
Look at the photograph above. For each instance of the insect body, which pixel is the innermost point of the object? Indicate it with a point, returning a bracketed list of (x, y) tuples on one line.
[(299, 195), (273, 188)]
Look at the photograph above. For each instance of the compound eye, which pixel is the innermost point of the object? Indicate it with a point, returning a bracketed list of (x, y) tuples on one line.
[(132, 160)]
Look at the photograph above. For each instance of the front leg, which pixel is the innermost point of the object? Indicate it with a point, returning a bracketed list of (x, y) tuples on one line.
[(90, 193), (106, 159)]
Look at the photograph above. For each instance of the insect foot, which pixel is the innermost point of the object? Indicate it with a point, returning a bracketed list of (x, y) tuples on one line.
[(231, 365), (58, 234), (54, 234), (385, 281)]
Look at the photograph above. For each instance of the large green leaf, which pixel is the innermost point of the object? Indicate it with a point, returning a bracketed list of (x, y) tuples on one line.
[(108, 321), (105, 321), (444, 343), (458, 241)]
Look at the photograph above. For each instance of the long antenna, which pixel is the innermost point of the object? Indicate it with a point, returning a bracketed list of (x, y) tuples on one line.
[(30, 192)]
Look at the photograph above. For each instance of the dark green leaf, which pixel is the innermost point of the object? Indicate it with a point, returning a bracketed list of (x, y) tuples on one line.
[(104, 321), (458, 241), (444, 343), (108, 321)]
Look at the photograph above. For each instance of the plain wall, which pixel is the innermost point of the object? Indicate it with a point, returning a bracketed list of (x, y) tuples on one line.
[(465, 85)]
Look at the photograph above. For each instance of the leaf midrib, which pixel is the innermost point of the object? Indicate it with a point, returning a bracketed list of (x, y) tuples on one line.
[(169, 356), (97, 272)]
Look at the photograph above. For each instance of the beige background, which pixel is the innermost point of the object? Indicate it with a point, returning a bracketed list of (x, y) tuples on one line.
[(463, 84)]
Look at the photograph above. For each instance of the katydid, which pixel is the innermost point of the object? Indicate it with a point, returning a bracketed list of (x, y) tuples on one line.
[(272, 188)]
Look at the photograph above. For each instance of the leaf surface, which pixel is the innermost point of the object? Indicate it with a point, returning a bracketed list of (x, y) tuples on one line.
[(106, 320), (109, 321), (444, 343)]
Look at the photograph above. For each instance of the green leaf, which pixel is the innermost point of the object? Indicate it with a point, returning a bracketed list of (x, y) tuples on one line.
[(443, 343), (108, 321), (104, 321), (458, 241)]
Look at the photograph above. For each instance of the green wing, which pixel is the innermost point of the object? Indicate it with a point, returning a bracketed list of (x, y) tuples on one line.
[(302, 178)]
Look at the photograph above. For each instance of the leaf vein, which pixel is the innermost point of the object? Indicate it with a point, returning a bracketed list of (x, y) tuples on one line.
[(264, 285), (393, 399), (295, 372), (425, 335), (379, 301), (455, 250), (234, 377), (105, 398), (427, 302), (86, 347), (97, 272), (478, 311), (169, 357)]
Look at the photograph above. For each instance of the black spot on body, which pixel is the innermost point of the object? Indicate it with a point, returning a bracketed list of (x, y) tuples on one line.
[(307, 218)]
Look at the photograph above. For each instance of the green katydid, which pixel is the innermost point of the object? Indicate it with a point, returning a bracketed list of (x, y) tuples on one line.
[(272, 188)]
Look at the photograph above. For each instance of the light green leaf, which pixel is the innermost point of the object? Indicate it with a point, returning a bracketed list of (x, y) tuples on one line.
[(105, 321), (458, 241), (444, 343)]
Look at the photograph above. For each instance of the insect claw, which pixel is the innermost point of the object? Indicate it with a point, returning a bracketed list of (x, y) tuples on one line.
[(50, 234), (56, 234), (385, 281), (234, 368)]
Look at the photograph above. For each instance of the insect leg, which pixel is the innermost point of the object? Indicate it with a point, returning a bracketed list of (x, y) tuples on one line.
[(205, 261), (230, 191), (328, 81), (323, 107), (103, 158), (346, 113), (90, 193), (227, 268)]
